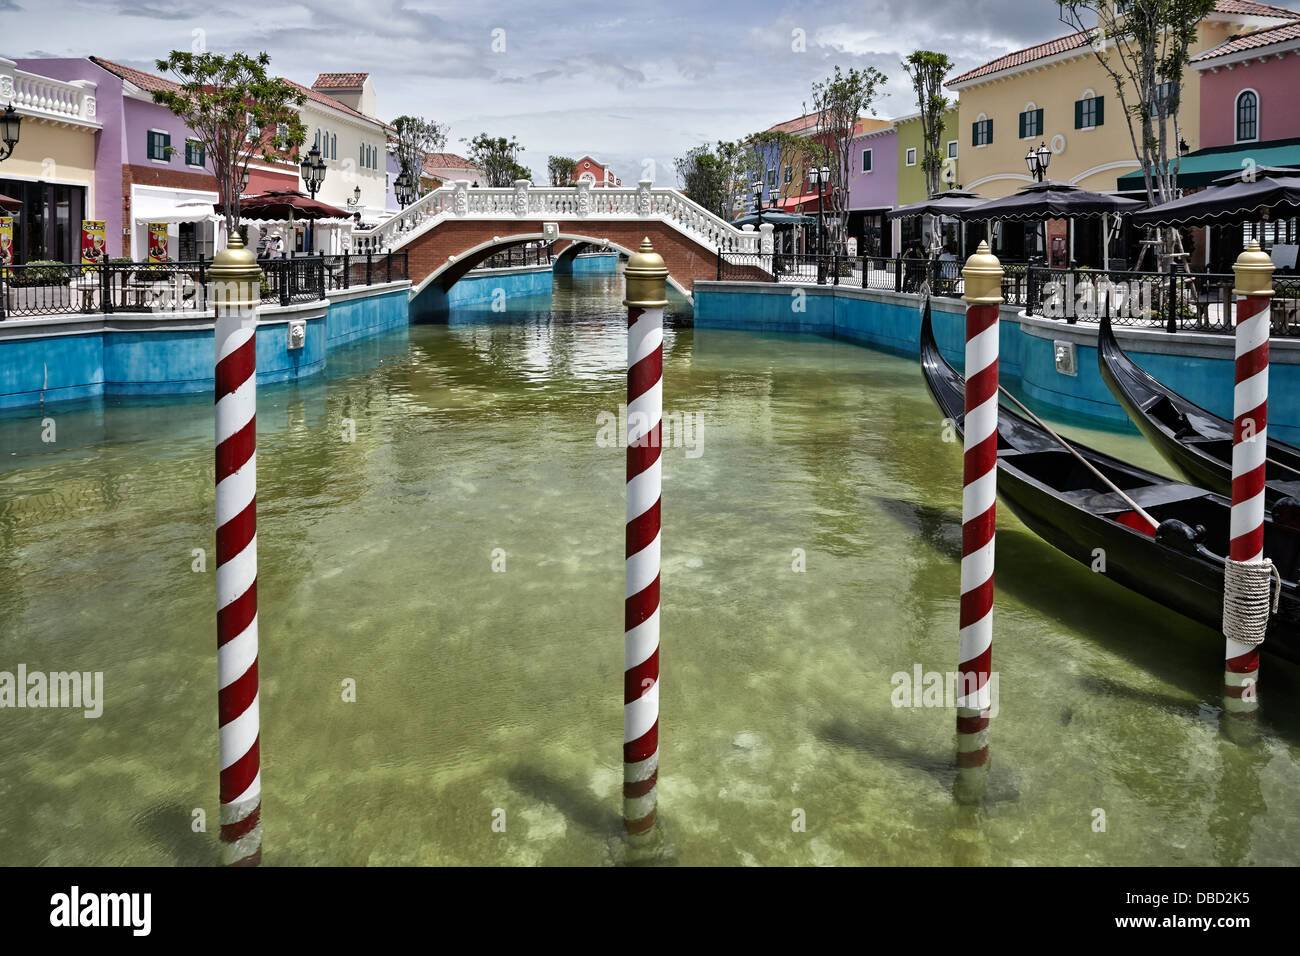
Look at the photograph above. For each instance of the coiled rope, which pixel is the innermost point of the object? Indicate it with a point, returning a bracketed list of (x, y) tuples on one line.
[(1251, 591)]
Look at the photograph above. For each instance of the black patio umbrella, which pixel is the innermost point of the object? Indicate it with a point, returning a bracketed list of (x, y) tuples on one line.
[(1050, 200), (1253, 194), (1038, 202), (942, 204)]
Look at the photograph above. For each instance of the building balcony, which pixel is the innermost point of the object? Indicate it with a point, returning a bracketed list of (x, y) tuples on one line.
[(48, 100)]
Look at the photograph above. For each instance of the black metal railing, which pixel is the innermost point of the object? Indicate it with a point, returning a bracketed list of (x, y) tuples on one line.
[(53, 288), (532, 254), (909, 274), (1173, 301)]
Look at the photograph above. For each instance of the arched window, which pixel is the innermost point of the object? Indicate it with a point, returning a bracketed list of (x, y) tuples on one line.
[(1247, 116)]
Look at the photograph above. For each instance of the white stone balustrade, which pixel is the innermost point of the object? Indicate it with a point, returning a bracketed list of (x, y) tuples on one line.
[(44, 98), (561, 204)]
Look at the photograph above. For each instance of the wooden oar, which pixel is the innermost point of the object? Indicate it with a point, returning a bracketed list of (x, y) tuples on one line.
[(1085, 462), (1284, 467)]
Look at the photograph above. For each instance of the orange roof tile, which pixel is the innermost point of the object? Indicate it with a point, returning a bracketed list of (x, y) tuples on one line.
[(145, 81), (1252, 41), (340, 81)]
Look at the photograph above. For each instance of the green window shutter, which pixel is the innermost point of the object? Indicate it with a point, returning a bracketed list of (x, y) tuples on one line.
[(1101, 111), (974, 134), (166, 142), (989, 126), (1023, 131), (1038, 121), (1078, 114)]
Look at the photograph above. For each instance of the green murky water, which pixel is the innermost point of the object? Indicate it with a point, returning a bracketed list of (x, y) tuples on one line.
[(481, 691)]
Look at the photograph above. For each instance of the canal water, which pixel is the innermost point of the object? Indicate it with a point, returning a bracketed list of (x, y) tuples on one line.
[(441, 529)]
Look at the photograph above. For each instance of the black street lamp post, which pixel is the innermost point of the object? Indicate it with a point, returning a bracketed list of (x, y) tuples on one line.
[(820, 177), (1038, 160), (313, 171), (10, 126)]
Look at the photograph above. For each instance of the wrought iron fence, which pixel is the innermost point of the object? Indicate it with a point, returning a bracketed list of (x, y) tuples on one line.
[(1173, 301), (942, 277), (538, 254), (53, 288)]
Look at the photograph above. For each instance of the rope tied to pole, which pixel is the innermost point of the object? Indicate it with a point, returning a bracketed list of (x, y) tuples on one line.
[(1251, 591)]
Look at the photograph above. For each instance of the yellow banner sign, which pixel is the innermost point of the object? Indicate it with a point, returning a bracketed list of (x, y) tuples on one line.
[(158, 242), (6, 240), (93, 247)]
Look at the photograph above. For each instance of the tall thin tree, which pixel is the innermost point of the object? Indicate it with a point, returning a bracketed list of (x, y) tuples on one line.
[(838, 102), (237, 111), (1144, 46)]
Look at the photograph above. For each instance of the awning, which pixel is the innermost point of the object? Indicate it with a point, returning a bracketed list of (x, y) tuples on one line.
[(146, 208), (1206, 165), (791, 202)]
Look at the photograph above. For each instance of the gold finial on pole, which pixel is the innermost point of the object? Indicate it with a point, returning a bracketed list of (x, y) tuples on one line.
[(983, 275), (646, 277), (1253, 271), (234, 278)]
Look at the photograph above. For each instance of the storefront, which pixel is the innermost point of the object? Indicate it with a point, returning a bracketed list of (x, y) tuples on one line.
[(49, 225), (193, 228)]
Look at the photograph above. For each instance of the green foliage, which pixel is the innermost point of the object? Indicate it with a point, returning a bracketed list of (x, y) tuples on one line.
[(715, 176), (237, 111), (39, 272), (927, 70), (498, 158), (839, 101), (560, 169), (417, 137)]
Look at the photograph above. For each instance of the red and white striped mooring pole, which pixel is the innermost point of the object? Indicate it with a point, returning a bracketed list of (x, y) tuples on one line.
[(646, 298), (1248, 579), (983, 278), (235, 280)]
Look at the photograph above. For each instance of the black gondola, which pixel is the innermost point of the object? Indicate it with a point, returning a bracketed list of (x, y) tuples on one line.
[(1180, 565), (1196, 442)]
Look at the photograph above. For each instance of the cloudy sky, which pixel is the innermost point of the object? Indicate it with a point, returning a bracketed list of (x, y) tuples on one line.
[(629, 85)]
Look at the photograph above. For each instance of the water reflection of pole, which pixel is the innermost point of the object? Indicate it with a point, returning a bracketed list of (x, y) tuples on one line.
[(646, 298), (983, 275), (235, 293), (1248, 579)]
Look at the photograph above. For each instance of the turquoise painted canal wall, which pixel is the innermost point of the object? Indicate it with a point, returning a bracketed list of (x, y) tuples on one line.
[(432, 304), (603, 263), (587, 263), (84, 356), (1197, 365)]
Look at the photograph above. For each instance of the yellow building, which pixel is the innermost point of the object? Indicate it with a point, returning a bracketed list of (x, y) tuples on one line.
[(52, 169), (1057, 93)]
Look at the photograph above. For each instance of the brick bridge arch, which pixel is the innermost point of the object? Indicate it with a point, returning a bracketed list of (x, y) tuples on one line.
[(454, 228)]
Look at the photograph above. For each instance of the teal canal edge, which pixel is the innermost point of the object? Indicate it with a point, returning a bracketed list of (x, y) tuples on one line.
[(1197, 365), (74, 357)]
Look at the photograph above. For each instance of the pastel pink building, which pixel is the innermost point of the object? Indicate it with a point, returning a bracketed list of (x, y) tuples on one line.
[(1249, 86)]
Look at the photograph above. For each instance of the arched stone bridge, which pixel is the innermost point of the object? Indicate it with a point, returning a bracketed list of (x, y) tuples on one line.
[(452, 229)]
